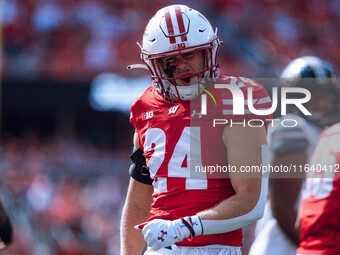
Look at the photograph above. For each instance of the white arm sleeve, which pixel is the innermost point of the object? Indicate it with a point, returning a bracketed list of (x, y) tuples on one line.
[(222, 226)]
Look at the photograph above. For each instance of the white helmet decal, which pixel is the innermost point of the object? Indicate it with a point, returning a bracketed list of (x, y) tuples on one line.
[(175, 24)]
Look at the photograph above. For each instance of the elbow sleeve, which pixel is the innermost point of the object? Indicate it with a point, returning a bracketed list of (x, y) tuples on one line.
[(138, 169)]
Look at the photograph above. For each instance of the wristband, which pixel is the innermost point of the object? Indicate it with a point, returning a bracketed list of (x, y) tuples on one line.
[(187, 222)]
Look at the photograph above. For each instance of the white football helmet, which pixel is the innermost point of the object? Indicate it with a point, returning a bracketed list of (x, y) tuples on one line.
[(177, 30)]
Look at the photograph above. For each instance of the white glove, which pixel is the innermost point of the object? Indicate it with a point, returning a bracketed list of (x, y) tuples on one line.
[(162, 233)]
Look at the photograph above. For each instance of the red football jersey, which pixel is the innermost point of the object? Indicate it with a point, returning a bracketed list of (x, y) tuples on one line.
[(320, 205), (180, 144)]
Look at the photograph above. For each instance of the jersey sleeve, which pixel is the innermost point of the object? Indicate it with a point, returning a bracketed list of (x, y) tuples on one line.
[(135, 117), (136, 110), (332, 130), (132, 119)]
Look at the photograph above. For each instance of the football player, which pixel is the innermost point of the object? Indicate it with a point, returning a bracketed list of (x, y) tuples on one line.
[(320, 203), (276, 232), (179, 210)]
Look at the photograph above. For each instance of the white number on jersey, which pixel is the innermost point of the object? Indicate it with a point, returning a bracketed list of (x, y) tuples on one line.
[(190, 138)]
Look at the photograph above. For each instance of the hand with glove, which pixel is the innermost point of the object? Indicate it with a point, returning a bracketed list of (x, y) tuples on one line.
[(162, 233)]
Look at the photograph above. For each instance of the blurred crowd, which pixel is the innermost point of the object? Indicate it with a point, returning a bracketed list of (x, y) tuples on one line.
[(64, 196), (77, 39)]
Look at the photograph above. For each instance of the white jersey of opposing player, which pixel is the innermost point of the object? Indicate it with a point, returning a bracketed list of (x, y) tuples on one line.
[(269, 238)]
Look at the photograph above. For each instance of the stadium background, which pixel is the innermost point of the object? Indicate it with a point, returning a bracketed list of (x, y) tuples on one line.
[(64, 149)]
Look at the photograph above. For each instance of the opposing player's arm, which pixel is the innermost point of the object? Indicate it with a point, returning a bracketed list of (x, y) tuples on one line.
[(246, 146), (289, 148), (136, 210), (283, 204), (297, 226)]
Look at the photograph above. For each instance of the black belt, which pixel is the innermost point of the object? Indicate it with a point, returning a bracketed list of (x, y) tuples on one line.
[(168, 247)]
